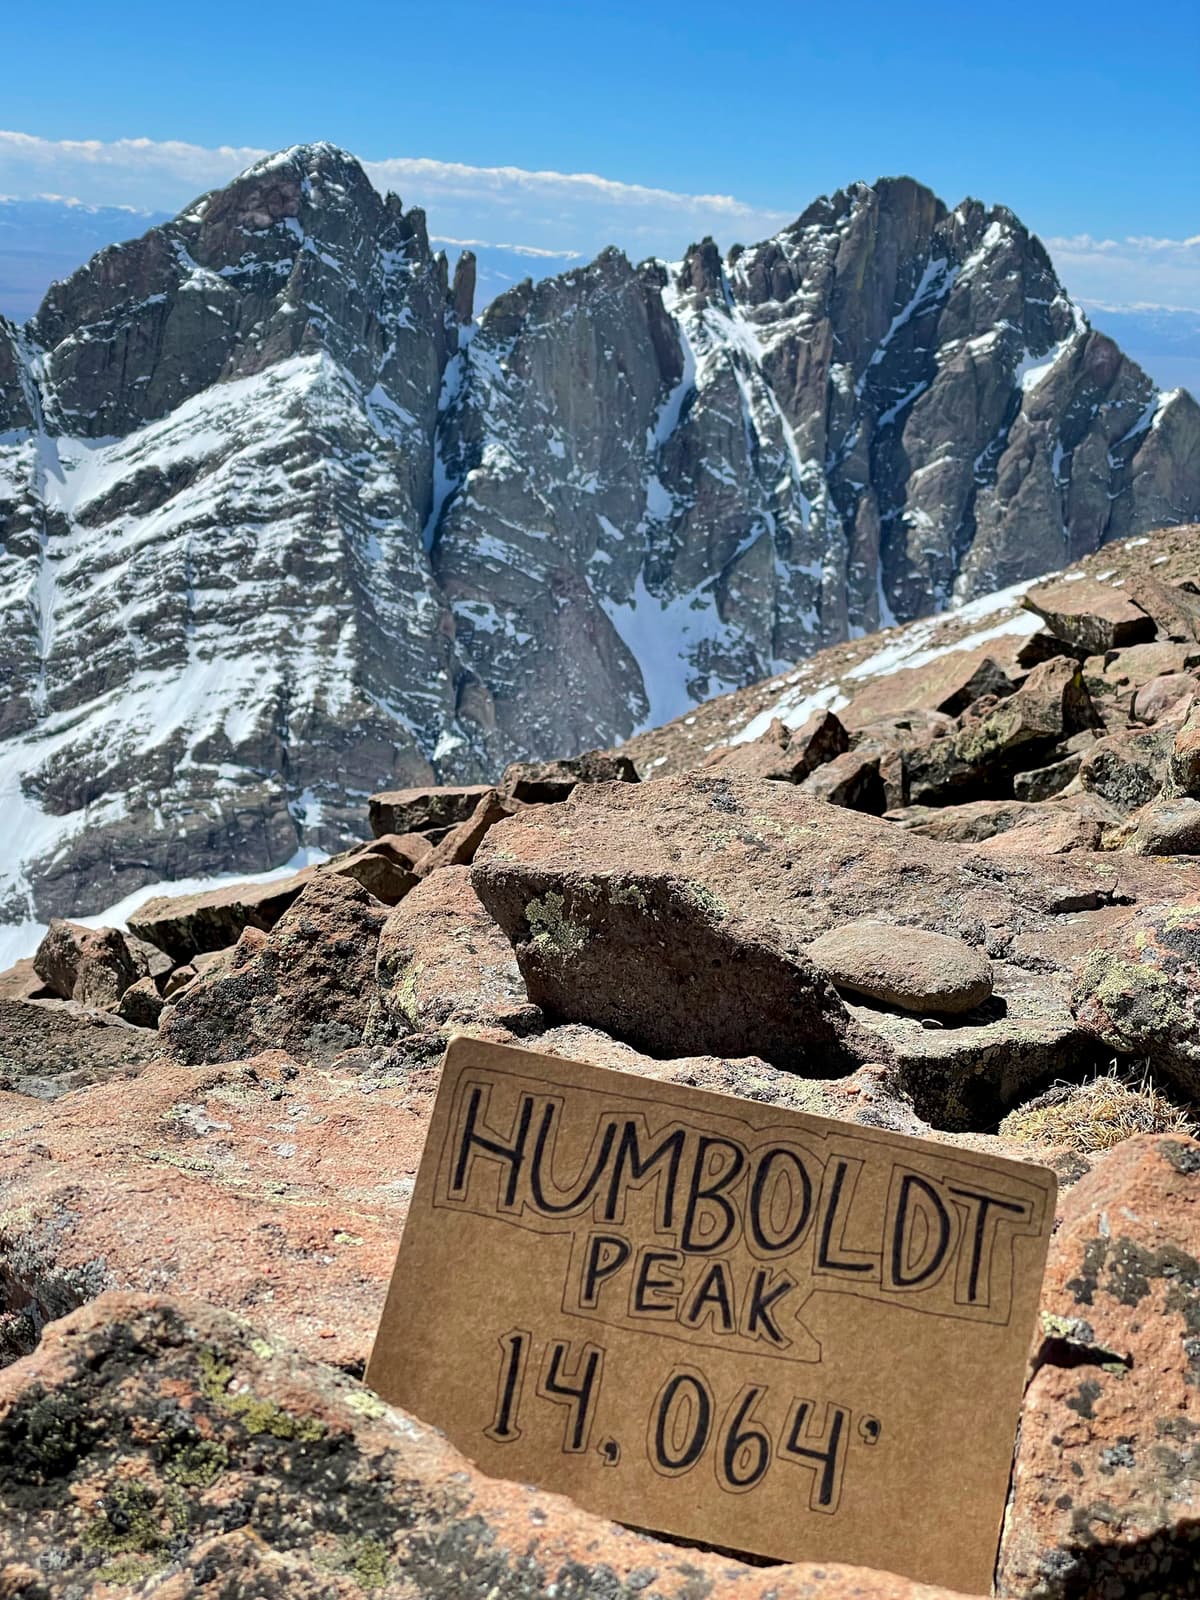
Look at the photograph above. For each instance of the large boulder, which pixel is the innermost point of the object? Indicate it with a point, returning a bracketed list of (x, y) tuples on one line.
[(1139, 991), (660, 961), (852, 780), (159, 1446), (95, 966), (1128, 768), (183, 925), (1020, 732), (545, 782), (306, 989), (426, 810), (1106, 1487), (443, 965), (788, 755), (1090, 615), (620, 903), (1174, 607), (458, 846)]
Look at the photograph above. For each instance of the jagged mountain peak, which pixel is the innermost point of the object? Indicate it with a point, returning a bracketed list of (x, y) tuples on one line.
[(280, 523)]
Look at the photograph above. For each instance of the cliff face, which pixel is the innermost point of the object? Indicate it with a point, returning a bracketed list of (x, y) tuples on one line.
[(281, 524)]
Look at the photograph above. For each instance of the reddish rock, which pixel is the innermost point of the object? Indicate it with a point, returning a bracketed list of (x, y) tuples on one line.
[(1128, 768), (160, 1445), (970, 822), (405, 849), (768, 857), (979, 760), (21, 982), (278, 1194), (94, 966), (46, 1050), (1106, 1486), (184, 925), (948, 683), (141, 1004), (1164, 828), (904, 966), (660, 962), (1160, 696), (1175, 609), (380, 874), (443, 964), (547, 782), (458, 847), (851, 780), (784, 754), (1184, 762), (1139, 990), (1089, 615), (423, 810), (307, 989)]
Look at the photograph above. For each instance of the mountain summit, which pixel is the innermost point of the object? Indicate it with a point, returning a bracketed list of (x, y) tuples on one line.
[(281, 523)]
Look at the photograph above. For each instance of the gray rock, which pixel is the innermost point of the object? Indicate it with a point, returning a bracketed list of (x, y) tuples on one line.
[(408, 811), (48, 1048), (904, 966), (186, 925)]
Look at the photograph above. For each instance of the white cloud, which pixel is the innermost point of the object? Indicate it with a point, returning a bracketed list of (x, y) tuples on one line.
[(1138, 271), (558, 214), (554, 216)]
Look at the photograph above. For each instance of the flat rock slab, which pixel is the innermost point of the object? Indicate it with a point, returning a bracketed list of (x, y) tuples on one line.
[(265, 1474), (277, 1194), (423, 810), (782, 869), (184, 925), (904, 966), (1090, 615), (1106, 1486)]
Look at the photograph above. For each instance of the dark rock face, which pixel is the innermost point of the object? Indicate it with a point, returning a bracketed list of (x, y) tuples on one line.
[(297, 529)]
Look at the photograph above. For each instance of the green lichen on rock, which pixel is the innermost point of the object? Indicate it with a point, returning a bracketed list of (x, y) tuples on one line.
[(552, 930), (623, 893), (135, 1520), (128, 1571), (198, 1464), (369, 1563), (706, 901), (255, 1415)]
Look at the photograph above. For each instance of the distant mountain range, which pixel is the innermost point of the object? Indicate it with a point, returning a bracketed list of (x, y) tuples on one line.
[(283, 521)]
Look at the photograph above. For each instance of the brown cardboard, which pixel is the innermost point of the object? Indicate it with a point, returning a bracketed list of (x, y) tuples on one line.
[(708, 1316)]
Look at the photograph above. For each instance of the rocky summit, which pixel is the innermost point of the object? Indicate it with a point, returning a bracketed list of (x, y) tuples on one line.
[(943, 881), (283, 523)]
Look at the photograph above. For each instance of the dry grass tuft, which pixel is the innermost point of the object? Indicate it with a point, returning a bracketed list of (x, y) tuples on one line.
[(1093, 1116)]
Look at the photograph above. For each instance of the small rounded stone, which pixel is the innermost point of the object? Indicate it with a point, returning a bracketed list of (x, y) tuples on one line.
[(909, 968)]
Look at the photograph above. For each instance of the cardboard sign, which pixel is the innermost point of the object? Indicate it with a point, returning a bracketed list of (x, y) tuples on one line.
[(708, 1316)]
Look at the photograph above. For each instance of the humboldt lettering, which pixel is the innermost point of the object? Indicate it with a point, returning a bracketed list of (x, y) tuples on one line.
[(797, 1208)]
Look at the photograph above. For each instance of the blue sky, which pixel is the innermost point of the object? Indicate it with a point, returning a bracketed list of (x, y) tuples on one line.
[(1082, 118)]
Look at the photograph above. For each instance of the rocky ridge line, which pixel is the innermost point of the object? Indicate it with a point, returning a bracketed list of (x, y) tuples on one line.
[(280, 524)]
